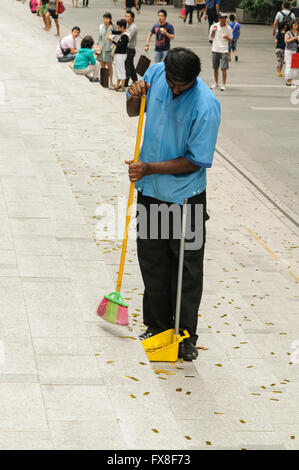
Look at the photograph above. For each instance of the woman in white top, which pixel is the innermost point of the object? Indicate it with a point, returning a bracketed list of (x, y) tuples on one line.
[(104, 46), (291, 40)]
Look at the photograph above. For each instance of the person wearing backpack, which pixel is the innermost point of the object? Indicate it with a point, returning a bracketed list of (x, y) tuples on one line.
[(283, 17), (212, 11)]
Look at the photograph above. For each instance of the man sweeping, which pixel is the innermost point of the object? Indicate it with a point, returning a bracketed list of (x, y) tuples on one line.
[(180, 135)]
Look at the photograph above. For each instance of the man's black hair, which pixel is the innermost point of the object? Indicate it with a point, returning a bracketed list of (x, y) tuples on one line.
[(108, 15), (122, 23), (232, 17), (164, 12), (76, 28), (87, 42), (286, 5), (129, 12), (182, 65)]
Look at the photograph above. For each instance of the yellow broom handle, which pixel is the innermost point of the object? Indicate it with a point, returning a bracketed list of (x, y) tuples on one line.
[(131, 194)]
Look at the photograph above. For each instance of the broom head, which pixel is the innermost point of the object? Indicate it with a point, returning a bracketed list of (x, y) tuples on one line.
[(114, 309)]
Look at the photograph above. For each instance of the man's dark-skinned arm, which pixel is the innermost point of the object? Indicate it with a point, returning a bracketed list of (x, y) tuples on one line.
[(140, 169), (170, 167)]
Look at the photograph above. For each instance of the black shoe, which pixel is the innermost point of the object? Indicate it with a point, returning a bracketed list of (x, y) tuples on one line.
[(149, 333), (187, 350), (236, 58)]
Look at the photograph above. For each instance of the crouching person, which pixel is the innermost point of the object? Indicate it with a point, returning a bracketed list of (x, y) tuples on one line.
[(85, 61), (67, 49)]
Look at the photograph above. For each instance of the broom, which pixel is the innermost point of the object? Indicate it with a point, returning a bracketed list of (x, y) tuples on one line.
[(113, 307)]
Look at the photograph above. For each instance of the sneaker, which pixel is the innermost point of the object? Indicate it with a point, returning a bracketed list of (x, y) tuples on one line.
[(95, 80), (120, 89), (236, 58), (214, 86), (187, 350), (222, 88)]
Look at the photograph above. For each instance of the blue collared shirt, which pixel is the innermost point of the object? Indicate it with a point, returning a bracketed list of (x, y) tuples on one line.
[(175, 127)]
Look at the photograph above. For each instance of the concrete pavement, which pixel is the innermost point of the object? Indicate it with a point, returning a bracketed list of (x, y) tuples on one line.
[(71, 381)]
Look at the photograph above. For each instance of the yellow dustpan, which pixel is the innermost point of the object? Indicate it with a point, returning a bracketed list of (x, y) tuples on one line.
[(164, 347)]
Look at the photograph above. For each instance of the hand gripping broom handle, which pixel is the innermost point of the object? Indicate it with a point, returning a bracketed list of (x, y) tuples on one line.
[(131, 194)]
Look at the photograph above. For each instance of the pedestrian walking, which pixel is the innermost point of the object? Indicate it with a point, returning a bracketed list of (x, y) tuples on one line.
[(85, 3), (85, 62), (131, 49), (283, 17), (232, 46), (120, 53), (53, 13), (75, 3), (164, 34), (280, 49), (291, 40), (200, 6), (189, 7), (67, 48), (43, 11), (179, 141), (212, 11), (220, 34), (129, 4), (104, 46)]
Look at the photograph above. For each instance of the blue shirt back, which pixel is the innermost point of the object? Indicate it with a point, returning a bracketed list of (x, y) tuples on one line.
[(236, 28), (186, 125)]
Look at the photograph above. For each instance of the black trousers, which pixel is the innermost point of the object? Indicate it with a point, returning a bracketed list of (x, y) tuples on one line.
[(212, 18), (158, 261), (189, 11), (130, 68)]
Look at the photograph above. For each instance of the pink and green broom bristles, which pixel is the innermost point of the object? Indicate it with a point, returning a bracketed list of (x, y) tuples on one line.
[(114, 309)]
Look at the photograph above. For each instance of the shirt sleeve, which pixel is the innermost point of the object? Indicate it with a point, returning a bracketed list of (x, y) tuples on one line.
[(153, 29), (170, 29), (203, 136)]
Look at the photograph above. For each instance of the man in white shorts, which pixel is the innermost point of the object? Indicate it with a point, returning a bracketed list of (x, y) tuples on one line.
[(220, 34)]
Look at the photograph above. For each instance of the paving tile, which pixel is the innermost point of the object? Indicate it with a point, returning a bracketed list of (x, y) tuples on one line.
[(62, 346), (79, 435), (22, 408), (41, 266), (52, 311), (42, 246), (26, 440), (77, 403), (71, 369)]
